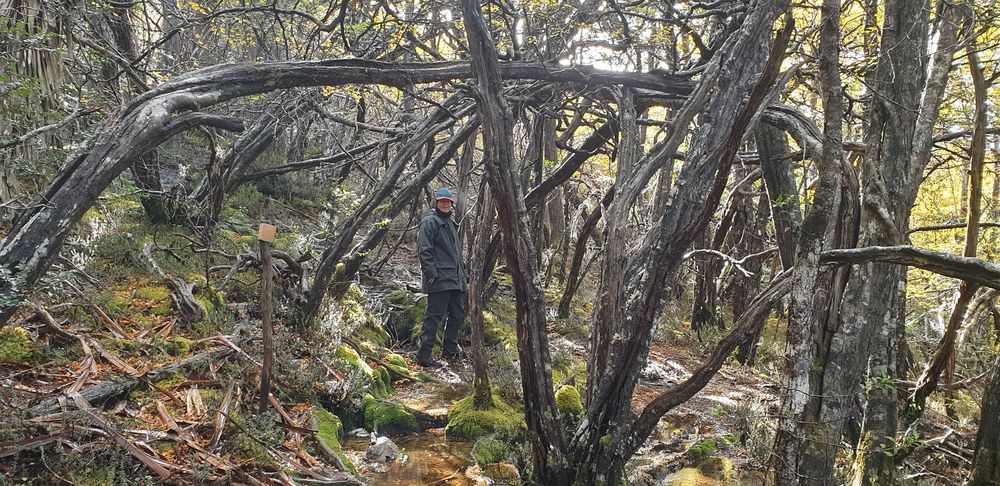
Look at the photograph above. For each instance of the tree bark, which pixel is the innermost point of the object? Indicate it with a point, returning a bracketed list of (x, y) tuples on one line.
[(986, 460), (481, 391), (781, 190), (541, 414), (863, 350), (809, 291)]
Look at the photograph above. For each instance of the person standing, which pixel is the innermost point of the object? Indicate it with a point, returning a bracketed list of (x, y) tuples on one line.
[(445, 280)]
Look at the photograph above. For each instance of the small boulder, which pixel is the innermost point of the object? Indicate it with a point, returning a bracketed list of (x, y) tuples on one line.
[(382, 451)]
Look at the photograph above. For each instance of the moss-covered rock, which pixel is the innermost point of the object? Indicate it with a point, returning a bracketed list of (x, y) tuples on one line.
[(406, 310), (389, 418), (395, 360), (465, 421), (329, 429), (489, 450), (16, 345), (568, 400)]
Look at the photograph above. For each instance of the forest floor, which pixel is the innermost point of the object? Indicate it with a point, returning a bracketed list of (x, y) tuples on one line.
[(114, 388)]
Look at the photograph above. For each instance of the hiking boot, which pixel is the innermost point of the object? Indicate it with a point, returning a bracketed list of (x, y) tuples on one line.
[(427, 362), (457, 355)]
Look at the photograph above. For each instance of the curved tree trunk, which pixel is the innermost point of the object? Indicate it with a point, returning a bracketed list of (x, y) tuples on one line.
[(541, 414)]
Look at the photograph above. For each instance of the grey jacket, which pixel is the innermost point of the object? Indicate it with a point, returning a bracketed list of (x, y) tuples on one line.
[(440, 254)]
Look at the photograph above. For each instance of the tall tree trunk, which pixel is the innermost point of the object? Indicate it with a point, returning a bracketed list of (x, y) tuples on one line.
[(789, 462), (862, 352), (547, 437), (986, 459), (481, 392), (772, 147)]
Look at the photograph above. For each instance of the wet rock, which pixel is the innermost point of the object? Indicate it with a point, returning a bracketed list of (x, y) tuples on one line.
[(501, 473), (359, 433), (382, 451)]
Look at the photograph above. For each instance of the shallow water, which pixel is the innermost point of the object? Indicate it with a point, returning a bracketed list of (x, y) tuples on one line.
[(431, 459)]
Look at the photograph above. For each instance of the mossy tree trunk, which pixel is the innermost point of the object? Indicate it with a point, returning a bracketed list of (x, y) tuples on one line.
[(479, 271)]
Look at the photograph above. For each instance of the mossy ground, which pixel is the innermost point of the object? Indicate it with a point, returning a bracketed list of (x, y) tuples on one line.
[(465, 421)]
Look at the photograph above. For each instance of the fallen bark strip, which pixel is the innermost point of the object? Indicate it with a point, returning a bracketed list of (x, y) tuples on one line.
[(97, 419), (11, 448), (965, 268), (103, 392)]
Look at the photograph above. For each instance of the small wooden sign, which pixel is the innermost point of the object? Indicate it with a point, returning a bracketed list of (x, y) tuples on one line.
[(266, 232)]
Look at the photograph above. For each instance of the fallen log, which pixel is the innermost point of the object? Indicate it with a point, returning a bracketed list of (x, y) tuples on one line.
[(108, 390)]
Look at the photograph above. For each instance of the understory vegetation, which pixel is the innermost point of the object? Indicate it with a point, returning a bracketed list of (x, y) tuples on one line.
[(732, 242)]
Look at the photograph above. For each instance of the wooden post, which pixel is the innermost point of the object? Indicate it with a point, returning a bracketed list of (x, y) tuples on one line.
[(265, 237)]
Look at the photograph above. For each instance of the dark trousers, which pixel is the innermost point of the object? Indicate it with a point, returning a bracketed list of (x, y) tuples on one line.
[(452, 303)]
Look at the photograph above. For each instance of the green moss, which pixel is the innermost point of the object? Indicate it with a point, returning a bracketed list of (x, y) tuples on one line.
[(399, 297), (171, 381), (126, 346), (152, 292), (568, 400), (388, 418), (212, 397), (381, 386), (416, 311), (117, 305), (349, 356), (702, 448), (373, 332), (93, 475), (16, 345), (329, 428), (159, 295), (488, 450), (177, 346), (465, 421), (395, 360), (496, 332), (379, 380)]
